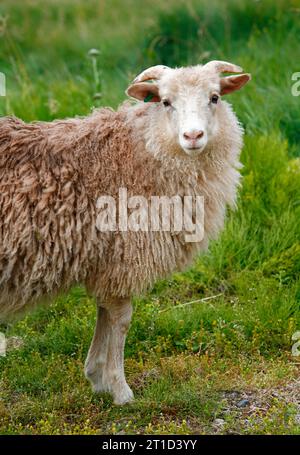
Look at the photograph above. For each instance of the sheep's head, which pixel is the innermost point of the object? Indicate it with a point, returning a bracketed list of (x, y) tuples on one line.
[(189, 97)]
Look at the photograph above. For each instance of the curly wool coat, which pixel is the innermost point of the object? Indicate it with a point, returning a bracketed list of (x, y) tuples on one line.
[(51, 175)]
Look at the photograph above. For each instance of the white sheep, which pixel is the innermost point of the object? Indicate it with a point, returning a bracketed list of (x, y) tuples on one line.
[(185, 141)]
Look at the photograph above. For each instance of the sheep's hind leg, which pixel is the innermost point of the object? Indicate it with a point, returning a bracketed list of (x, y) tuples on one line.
[(105, 362)]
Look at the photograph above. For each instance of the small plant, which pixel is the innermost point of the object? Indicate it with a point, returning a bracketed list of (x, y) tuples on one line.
[(94, 54)]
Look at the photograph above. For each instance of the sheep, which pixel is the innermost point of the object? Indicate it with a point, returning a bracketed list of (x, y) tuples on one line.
[(184, 140)]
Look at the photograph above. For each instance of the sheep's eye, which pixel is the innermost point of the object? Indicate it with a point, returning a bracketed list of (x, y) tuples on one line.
[(214, 99), (166, 103)]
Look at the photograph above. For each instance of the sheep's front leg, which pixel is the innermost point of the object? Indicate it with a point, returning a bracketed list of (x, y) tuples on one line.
[(97, 356), (104, 366)]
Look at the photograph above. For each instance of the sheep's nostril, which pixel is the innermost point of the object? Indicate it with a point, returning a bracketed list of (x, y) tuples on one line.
[(193, 135)]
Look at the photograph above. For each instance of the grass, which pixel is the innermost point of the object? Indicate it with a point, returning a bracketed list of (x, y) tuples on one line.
[(190, 366)]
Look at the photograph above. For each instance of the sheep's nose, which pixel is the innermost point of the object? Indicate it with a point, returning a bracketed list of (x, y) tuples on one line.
[(193, 135)]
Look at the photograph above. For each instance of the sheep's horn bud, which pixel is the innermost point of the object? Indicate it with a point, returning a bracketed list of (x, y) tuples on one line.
[(154, 72), (222, 67)]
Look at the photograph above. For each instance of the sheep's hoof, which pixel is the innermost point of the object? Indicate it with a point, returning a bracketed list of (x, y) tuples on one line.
[(123, 397), (121, 393)]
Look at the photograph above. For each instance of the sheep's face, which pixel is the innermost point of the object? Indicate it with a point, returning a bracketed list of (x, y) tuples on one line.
[(190, 104), (188, 99)]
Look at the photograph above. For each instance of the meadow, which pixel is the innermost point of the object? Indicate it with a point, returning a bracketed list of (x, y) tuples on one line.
[(222, 365)]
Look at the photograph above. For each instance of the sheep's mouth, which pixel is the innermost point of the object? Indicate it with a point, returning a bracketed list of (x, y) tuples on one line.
[(193, 150)]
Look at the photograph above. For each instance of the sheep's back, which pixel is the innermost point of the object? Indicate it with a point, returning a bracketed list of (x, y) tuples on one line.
[(45, 213)]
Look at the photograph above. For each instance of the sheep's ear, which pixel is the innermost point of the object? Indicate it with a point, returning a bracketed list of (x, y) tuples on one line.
[(144, 91), (231, 83)]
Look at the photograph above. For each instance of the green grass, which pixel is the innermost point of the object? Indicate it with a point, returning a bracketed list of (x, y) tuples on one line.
[(188, 364)]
